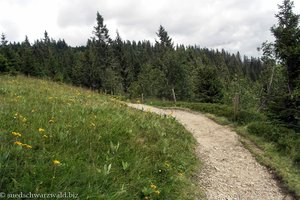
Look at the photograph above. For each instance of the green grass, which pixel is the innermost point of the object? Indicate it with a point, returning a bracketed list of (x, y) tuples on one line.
[(220, 110), (274, 146), (105, 149)]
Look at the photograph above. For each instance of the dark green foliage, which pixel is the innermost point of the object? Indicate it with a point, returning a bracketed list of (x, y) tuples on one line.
[(266, 130), (287, 44), (151, 82), (3, 64), (100, 31), (283, 99), (208, 85), (164, 39), (283, 109)]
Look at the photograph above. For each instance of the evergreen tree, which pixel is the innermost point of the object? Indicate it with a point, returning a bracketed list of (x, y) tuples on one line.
[(102, 58), (27, 61), (150, 83), (3, 40), (11, 55), (285, 104), (3, 64), (287, 43), (100, 31), (208, 86), (164, 40)]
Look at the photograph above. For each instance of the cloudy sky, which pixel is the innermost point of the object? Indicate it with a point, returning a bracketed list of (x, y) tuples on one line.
[(235, 25)]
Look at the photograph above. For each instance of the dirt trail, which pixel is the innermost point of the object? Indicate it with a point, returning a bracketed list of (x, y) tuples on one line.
[(230, 171)]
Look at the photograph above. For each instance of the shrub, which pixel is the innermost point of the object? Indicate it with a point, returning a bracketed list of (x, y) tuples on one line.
[(266, 130)]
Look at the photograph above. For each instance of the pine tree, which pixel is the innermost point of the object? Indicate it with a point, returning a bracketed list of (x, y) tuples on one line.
[(287, 43), (150, 82), (3, 40), (208, 86), (101, 55), (164, 40), (100, 31), (285, 104), (27, 62), (3, 64)]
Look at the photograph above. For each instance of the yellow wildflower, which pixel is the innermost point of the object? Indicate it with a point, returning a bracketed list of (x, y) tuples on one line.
[(180, 174), (56, 162), (157, 192), (23, 119), (27, 146), (16, 115), (153, 186), (18, 143), (16, 134), (41, 130), (45, 136), (167, 164)]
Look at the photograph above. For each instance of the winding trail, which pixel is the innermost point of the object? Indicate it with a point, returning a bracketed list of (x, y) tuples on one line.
[(229, 171)]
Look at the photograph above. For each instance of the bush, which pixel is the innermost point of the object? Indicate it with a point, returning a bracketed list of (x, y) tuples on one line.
[(243, 116), (266, 130)]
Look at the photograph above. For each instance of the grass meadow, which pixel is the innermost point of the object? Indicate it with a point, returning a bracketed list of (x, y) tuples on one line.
[(57, 138)]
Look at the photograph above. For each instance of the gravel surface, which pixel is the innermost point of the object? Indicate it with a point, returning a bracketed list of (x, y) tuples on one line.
[(230, 171)]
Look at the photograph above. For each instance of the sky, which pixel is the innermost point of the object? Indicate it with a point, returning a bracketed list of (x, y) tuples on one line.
[(234, 25)]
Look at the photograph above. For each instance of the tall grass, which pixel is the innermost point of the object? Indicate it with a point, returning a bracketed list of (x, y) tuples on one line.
[(56, 138)]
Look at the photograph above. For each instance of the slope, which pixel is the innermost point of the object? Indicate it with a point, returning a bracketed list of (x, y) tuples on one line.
[(61, 140)]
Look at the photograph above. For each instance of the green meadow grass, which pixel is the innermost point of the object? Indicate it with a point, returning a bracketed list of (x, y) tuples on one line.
[(57, 138)]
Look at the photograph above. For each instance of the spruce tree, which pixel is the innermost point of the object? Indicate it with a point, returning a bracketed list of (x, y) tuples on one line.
[(164, 39), (27, 62), (287, 43), (285, 104)]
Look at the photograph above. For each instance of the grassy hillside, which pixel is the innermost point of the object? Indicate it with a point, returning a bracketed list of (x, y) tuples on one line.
[(56, 138)]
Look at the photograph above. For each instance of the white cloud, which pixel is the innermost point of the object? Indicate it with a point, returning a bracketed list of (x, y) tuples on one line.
[(235, 25)]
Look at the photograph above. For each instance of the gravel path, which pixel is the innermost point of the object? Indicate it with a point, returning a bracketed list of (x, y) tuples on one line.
[(230, 171)]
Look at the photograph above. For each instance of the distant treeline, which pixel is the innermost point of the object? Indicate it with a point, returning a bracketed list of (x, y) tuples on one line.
[(116, 66)]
